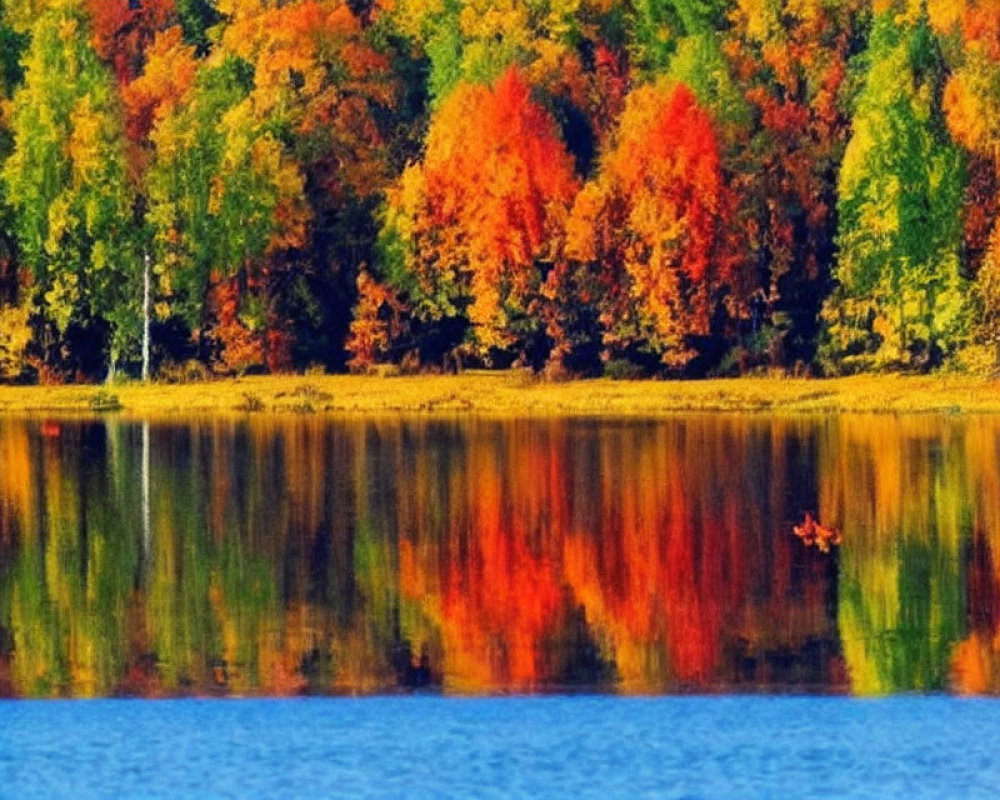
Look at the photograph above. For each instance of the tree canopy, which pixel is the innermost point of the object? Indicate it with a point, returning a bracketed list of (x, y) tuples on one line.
[(652, 187)]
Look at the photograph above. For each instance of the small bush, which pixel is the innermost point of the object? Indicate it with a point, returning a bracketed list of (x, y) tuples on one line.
[(557, 372), (191, 371), (251, 402), (621, 369), (15, 337), (410, 363), (103, 401), (976, 359), (383, 371), (311, 394), (523, 377)]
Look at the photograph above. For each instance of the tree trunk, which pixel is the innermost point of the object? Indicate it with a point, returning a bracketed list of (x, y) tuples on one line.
[(145, 317)]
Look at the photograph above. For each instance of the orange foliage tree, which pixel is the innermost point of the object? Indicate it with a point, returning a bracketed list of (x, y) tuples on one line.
[(168, 76), (123, 31), (972, 106), (475, 228), (654, 226), (377, 323)]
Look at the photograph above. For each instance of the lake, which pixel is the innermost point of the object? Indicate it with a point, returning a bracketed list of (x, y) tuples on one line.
[(740, 747), (503, 587)]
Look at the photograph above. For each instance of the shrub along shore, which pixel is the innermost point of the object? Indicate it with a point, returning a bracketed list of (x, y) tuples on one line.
[(512, 394)]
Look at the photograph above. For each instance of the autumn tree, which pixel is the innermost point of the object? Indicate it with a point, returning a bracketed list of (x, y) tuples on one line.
[(900, 296), (123, 29), (67, 183), (473, 230), (970, 32), (574, 53), (12, 45), (654, 226), (223, 192), (331, 80), (792, 58), (378, 324)]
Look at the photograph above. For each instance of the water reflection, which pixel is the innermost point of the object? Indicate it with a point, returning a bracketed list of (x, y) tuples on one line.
[(265, 556)]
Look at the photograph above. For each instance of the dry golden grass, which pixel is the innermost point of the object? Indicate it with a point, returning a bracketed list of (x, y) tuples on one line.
[(512, 393)]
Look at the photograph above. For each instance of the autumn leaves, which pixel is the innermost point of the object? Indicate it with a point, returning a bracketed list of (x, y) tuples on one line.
[(134, 133), (495, 224), (655, 187)]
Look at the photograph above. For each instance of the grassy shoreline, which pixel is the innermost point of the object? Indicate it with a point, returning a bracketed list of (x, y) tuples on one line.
[(506, 393)]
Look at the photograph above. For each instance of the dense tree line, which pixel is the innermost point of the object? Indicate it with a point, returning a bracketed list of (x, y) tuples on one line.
[(680, 187)]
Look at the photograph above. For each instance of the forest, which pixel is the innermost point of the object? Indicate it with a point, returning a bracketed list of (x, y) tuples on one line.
[(580, 187)]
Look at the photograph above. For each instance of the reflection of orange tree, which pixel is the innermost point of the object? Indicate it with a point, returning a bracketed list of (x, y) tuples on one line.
[(657, 577), (686, 576), (976, 660), (296, 555), (492, 582), (655, 555)]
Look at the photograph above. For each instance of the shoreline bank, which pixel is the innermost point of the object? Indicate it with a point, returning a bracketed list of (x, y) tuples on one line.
[(514, 394)]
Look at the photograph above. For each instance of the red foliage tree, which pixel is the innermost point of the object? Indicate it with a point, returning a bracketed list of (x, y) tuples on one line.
[(494, 192), (794, 68), (123, 29), (655, 224)]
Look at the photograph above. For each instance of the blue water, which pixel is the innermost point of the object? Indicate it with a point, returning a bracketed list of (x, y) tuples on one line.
[(561, 747)]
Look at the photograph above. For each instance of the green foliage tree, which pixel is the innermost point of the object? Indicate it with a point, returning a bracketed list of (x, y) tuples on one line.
[(197, 18), (66, 180), (221, 190), (901, 297), (475, 42), (12, 45)]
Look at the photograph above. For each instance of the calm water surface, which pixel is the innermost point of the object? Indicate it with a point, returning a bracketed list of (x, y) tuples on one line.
[(271, 557)]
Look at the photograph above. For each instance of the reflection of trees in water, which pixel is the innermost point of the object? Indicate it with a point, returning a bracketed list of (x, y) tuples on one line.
[(976, 661), (899, 489), (289, 556)]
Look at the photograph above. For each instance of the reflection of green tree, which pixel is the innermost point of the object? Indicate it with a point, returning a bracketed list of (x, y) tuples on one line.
[(211, 595), (249, 590), (382, 619), (899, 627), (66, 594), (901, 602)]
